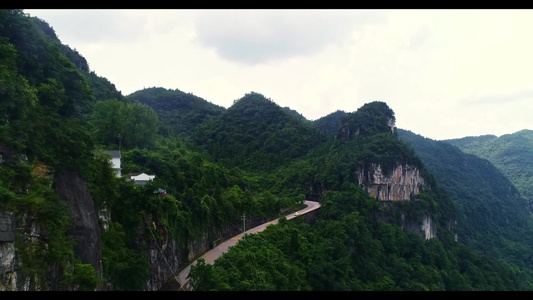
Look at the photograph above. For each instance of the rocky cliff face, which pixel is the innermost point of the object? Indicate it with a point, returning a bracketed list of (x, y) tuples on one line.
[(403, 183), (8, 262), (426, 228), (167, 258), (423, 225), (85, 230), (73, 190), (11, 275)]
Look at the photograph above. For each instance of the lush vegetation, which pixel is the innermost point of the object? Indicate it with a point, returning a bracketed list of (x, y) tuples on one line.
[(179, 112), (369, 119), (494, 219), (347, 249), (125, 125), (510, 153), (257, 134), (253, 158), (330, 123), (44, 101), (57, 115)]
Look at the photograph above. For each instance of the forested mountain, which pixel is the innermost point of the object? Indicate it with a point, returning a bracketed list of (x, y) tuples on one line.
[(512, 154), (179, 112), (348, 249), (257, 134), (390, 219), (295, 113), (330, 123), (494, 218), (359, 243)]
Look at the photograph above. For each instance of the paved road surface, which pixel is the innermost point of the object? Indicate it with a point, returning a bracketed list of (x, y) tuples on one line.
[(216, 252)]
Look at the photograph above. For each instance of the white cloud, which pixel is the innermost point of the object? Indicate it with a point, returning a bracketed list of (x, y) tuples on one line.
[(260, 36), (445, 73)]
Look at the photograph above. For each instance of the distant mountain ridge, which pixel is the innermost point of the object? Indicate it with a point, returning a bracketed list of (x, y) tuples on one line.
[(492, 211), (511, 153), (180, 112)]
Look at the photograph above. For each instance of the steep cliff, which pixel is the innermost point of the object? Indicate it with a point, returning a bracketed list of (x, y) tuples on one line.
[(164, 254), (73, 190), (368, 152), (404, 183), (167, 257), (14, 275), (8, 261)]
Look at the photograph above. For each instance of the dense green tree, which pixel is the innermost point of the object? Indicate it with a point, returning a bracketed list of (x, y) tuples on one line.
[(371, 118), (510, 153), (330, 123), (180, 112), (18, 100), (346, 250), (126, 268), (257, 134), (492, 216), (127, 125)]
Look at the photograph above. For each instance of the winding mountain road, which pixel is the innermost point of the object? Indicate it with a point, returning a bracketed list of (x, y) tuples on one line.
[(211, 255)]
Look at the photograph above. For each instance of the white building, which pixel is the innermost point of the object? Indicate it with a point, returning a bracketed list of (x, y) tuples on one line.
[(139, 178), (115, 161)]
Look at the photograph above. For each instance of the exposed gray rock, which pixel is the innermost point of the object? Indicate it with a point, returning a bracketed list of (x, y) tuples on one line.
[(8, 267), (164, 254), (73, 190), (8, 264), (7, 227), (425, 228), (404, 183)]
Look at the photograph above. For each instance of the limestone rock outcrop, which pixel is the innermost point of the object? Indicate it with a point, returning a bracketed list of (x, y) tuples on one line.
[(403, 183)]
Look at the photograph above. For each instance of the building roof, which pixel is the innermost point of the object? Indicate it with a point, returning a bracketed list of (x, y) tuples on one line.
[(139, 178), (129, 175), (114, 153)]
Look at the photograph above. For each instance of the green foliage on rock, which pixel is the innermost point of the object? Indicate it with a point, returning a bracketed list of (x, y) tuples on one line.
[(372, 118), (82, 278)]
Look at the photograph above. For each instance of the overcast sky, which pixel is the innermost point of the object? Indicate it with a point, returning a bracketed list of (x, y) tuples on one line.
[(445, 73)]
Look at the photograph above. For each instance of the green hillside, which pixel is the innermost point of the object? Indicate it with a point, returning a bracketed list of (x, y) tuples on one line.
[(349, 248), (512, 154), (179, 112), (78, 226), (494, 218), (257, 134), (330, 123)]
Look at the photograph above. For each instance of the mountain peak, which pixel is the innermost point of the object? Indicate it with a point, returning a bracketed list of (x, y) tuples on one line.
[(372, 118)]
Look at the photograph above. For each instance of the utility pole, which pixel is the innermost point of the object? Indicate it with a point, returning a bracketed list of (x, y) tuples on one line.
[(243, 223), (119, 141)]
